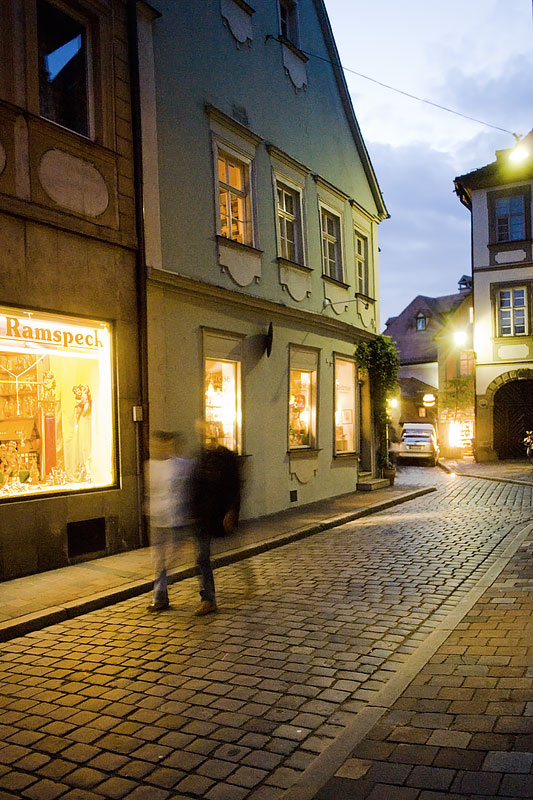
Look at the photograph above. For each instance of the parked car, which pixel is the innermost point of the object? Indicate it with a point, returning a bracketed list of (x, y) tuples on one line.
[(419, 440)]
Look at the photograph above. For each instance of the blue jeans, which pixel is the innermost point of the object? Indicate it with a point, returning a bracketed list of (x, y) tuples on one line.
[(203, 563)]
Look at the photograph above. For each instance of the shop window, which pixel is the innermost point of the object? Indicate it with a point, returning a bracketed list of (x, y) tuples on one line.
[(56, 404), (512, 311), (344, 406), (302, 398), (289, 213), (63, 68), (234, 199), (222, 390)]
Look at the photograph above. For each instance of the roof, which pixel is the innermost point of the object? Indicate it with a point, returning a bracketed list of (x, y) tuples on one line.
[(501, 172), (413, 387), (348, 107), (419, 347)]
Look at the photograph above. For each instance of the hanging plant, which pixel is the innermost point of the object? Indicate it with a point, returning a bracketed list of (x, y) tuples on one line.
[(380, 358)]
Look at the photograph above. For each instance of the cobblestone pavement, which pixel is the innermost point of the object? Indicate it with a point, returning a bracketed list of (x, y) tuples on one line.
[(120, 703), (464, 726)]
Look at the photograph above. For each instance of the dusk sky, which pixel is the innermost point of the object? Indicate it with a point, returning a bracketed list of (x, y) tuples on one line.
[(474, 56)]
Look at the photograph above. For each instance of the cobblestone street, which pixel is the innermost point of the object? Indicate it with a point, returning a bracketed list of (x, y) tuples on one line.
[(121, 703)]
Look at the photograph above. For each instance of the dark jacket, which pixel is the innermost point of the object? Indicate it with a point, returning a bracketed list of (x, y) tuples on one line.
[(215, 489)]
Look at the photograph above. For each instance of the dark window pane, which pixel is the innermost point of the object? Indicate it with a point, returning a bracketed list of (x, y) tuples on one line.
[(62, 68)]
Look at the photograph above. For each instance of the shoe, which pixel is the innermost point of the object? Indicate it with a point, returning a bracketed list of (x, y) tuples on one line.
[(205, 607), (158, 606)]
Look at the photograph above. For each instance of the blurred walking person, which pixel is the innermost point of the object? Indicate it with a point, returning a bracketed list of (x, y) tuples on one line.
[(215, 502), (167, 507)]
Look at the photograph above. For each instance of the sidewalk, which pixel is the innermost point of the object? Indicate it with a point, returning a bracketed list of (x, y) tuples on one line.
[(463, 725), (36, 601)]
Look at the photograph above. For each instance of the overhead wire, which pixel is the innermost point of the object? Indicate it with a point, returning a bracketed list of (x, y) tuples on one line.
[(412, 96)]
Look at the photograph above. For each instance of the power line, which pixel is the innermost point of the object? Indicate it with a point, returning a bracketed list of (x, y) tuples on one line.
[(412, 96)]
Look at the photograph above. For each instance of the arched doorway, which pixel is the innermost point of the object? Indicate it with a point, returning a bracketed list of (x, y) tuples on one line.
[(513, 415)]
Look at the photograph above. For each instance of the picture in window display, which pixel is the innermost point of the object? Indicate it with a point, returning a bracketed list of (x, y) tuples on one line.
[(54, 436), (300, 408)]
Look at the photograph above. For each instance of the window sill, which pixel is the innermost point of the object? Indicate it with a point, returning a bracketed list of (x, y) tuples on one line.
[(238, 245), (515, 337), (350, 456), (335, 281), (292, 47), (303, 452), (365, 298), (245, 7), (286, 262)]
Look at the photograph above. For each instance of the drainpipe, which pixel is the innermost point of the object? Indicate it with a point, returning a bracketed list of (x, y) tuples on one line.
[(140, 415)]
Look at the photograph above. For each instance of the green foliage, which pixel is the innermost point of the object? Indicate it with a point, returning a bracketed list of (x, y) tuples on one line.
[(380, 358), (458, 394)]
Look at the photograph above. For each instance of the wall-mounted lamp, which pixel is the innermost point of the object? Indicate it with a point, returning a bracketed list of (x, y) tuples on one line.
[(459, 338)]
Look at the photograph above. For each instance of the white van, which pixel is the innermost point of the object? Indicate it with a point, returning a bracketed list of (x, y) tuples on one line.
[(419, 440)]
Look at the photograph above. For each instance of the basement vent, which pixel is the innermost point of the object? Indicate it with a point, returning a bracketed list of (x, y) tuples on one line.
[(87, 536), (294, 495)]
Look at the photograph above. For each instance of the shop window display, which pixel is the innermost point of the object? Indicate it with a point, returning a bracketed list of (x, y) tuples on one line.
[(222, 403), (344, 406), (301, 408), (56, 404)]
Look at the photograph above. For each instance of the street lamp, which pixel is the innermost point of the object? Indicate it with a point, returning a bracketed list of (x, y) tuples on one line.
[(459, 338)]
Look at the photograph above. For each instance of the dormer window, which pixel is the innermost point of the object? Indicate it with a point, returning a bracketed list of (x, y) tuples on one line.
[(421, 322)]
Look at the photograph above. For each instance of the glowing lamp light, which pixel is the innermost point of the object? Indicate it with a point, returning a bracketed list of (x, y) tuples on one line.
[(519, 154), (394, 403), (429, 400), (454, 434), (459, 337)]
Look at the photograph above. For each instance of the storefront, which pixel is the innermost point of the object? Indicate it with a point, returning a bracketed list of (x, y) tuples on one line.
[(57, 404)]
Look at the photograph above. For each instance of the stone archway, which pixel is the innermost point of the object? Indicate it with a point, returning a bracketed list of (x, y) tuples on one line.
[(511, 399)]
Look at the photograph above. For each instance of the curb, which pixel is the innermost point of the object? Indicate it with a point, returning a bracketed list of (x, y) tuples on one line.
[(451, 471), (75, 608)]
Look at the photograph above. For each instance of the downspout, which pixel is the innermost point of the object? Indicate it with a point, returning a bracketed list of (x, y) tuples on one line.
[(140, 417)]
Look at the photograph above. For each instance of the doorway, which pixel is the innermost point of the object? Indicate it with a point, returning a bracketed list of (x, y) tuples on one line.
[(513, 415)]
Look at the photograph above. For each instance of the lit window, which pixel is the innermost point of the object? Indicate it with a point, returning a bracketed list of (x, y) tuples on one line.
[(421, 322), (63, 68), (422, 412), (233, 198), (222, 390), (288, 19), (289, 223), (512, 311), (361, 264), (331, 245), (302, 398), (466, 362), (510, 218), (344, 406), (56, 404)]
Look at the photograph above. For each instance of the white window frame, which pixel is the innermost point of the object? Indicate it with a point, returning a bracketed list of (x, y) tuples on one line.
[(511, 308), (362, 264), (326, 239), (289, 23), (423, 320), (242, 160), (283, 184), (338, 358), (227, 348), (304, 360)]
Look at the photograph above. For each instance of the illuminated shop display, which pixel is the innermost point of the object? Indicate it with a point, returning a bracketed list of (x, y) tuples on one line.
[(302, 399), (56, 404), (344, 406), (222, 403)]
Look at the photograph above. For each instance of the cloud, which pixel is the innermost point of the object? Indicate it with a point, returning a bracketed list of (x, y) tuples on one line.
[(425, 246)]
